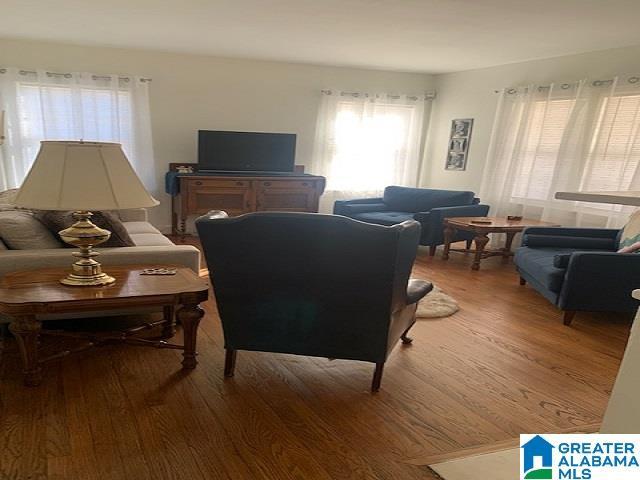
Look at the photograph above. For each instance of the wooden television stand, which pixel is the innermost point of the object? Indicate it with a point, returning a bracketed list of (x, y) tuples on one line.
[(238, 193)]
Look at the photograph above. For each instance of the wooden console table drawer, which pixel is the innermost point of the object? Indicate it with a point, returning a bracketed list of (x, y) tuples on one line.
[(235, 201), (238, 194), (217, 183), (287, 184)]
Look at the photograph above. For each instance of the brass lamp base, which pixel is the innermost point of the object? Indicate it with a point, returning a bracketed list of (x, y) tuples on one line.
[(84, 234)]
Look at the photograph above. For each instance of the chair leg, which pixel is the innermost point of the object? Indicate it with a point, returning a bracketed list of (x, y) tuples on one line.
[(522, 281), (229, 362), (568, 317), (377, 377), (432, 250), (405, 339), (469, 243)]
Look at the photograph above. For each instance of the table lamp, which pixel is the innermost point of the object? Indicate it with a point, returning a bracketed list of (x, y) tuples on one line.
[(83, 176)]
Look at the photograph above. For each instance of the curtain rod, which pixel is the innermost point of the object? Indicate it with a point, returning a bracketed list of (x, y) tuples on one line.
[(565, 86), (69, 75), (428, 95)]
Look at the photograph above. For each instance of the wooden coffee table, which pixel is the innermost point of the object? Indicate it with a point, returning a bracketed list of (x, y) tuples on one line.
[(23, 295), (481, 232)]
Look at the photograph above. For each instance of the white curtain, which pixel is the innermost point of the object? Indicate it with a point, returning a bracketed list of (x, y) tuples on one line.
[(564, 137), (41, 105), (366, 141)]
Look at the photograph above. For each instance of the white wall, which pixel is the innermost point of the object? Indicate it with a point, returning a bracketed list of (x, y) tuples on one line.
[(192, 92), (471, 94)]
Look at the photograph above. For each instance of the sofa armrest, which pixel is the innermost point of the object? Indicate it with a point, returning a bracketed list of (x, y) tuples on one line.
[(590, 238), (133, 215), (355, 208), (184, 255), (437, 215), (431, 221), (339, 205), (600, 281)]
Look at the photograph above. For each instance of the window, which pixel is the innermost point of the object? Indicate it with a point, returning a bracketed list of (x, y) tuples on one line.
[(539, 159), (612, 156), (369, 149), (71, 106), (564, 137), (365, 142), (54, 112)]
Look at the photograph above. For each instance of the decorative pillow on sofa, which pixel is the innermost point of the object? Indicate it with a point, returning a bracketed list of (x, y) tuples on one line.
[(6, 200), (20, 230), (405, 199), (56, 221), (630, 236)]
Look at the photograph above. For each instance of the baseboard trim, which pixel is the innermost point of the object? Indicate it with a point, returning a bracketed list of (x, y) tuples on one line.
[(490, 448)]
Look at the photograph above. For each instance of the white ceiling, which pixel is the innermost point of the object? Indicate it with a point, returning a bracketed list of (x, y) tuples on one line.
[(411, 35)]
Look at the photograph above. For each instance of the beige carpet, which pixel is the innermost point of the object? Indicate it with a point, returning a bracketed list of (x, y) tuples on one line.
[(437, 304), (502, 465)]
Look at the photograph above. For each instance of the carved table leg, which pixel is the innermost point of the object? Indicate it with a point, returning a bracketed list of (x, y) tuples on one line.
[(506, 253), (190, 316), (481, 241), (27, 330), (174, 215), (169, 329), (183, 228), (449, 233)]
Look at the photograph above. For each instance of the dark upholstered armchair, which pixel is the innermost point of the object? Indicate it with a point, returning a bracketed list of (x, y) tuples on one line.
[(428, 206), (579, 269), (310, 284)]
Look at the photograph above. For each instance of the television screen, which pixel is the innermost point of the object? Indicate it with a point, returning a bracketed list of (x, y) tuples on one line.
[(246, 151)]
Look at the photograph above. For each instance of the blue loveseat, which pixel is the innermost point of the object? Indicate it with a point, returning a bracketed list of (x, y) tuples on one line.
[(579, 269), (428, 206)]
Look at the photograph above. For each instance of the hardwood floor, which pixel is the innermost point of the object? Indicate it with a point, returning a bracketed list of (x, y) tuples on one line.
[(502, 366)]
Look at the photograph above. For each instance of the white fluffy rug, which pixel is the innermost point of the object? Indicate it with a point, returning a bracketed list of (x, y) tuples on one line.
[(437, 304)]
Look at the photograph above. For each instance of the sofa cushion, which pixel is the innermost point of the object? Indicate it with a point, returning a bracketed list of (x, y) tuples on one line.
[(631, 231), (140, 227), (561, 260), (2, 245), (383, 218), (571, 242), (150, 240), (8, 196), (539, 263), (404, 199), (351, 209), (21, 230), (56, 221)]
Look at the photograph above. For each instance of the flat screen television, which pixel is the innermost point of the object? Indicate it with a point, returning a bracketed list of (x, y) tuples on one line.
[(246, 151)]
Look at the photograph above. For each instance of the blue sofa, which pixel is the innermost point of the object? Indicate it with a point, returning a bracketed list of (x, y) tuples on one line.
[(579, 269), (427, 206)]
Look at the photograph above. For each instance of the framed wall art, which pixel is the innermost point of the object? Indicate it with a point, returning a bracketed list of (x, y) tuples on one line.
[(459, 139)]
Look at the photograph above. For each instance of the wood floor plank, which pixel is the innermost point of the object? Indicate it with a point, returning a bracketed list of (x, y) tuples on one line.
[(501, 366)]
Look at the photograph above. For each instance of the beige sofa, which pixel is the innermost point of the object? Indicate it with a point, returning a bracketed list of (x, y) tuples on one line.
[(151, 248)]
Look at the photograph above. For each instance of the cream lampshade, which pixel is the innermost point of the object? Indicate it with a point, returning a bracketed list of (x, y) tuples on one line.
[(83, 176)]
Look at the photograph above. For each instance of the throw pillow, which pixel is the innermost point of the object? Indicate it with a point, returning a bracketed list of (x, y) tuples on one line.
[(56, 221), (631, 233), (20, 230), (633, 248), (6, 200)]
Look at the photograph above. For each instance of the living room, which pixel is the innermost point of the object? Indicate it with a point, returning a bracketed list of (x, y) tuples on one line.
[(499, 121)]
